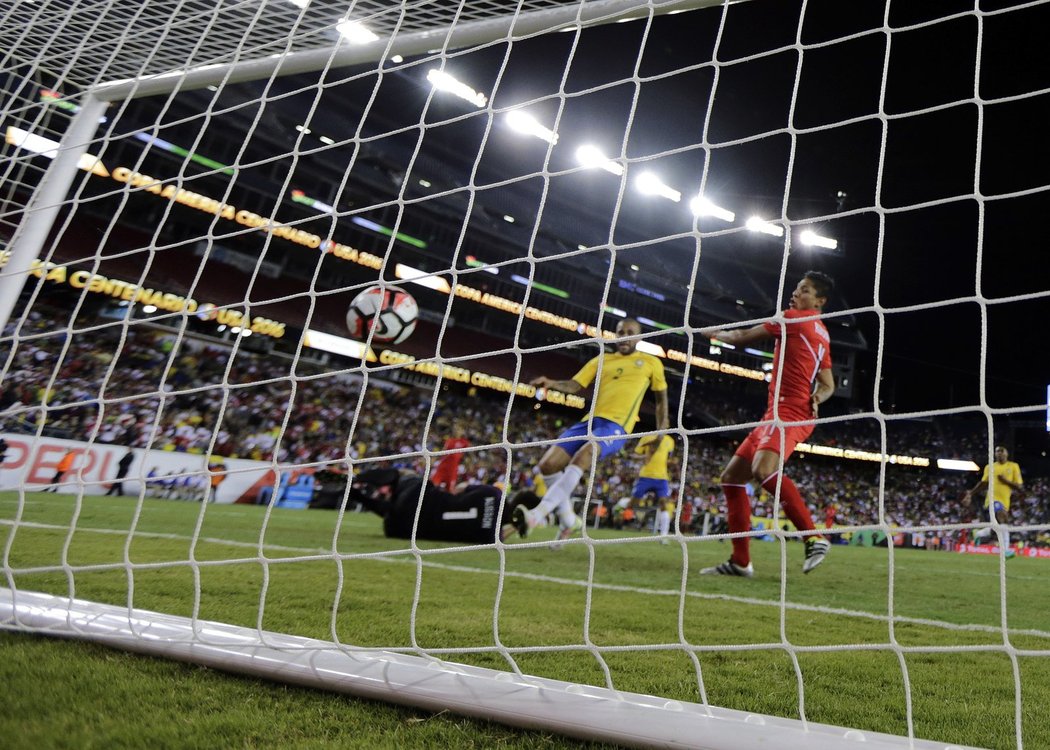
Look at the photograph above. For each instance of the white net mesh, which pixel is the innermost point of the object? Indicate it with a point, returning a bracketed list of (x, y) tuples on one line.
[(193, 193)]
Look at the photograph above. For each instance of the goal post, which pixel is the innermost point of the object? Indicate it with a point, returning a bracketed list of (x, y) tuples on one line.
[(583, 711)]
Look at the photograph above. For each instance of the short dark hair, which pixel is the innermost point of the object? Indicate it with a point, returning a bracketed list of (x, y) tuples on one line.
[(823, 283)]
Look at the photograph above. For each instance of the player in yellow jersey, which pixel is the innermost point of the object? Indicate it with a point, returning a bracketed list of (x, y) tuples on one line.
[(1004, 476), (655, 477), (621, 378)]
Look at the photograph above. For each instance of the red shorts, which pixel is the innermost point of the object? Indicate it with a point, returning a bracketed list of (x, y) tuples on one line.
[(767, 437)]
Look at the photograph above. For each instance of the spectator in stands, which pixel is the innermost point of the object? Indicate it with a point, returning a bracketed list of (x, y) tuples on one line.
[(802, 353), (625, 375), (1001, 479)]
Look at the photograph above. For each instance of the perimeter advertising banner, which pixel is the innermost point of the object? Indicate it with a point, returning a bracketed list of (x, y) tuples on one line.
[(30, 463)]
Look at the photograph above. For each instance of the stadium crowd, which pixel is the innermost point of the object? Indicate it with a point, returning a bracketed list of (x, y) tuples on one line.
[(139, 392)]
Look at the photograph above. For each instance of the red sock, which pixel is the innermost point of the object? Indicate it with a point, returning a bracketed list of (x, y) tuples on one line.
[(738, 505), (791, 501)]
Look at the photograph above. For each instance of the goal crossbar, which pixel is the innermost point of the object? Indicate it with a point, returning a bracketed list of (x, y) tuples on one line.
[(465, 34)]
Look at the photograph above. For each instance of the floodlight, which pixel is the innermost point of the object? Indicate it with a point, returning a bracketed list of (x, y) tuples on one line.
[(592, 156), (952, 464), (442, 81), (809, 237), (325, 139), (417, 276), (300, 3), (701, 206), (755, 224), (650, 184), (303, 129), (526, 124), (651, 348), (45, 147), (356, 32)]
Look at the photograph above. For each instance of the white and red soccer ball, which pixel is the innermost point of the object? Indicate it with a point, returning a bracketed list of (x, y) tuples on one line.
[(389, 312)]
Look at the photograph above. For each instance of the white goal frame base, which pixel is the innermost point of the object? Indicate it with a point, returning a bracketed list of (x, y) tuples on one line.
[(582, 711)]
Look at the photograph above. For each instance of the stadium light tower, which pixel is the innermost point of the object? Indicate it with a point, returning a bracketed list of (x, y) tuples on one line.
[(650, 184), (701, 206), (524, 123), (443, 81), (356, 32), (809, 237), (592, 156), (756, 224)]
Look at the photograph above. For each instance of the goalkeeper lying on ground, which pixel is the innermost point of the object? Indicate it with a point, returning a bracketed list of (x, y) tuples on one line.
[(469, 517)]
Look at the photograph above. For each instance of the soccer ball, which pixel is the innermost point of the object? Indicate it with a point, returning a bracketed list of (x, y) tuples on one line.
[(389, 312)]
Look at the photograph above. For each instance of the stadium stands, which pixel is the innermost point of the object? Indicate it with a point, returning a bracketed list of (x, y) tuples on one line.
[(110, 390)]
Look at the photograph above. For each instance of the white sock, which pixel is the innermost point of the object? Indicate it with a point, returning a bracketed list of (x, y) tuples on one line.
[(558, 494), (663, 522)]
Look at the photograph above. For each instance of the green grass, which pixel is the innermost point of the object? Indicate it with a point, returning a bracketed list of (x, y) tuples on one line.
[(68, 694)]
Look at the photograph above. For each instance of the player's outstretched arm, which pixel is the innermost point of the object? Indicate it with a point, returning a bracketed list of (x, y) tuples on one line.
[(737, 336), (565, 386), (976, 489)]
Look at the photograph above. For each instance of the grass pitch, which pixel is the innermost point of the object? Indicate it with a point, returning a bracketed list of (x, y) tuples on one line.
[(941, 633)]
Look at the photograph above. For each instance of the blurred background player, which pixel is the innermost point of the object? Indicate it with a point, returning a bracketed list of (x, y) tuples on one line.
[(625, 375), (1004, 476), (469, 517), (802, 355), (216, 476), (446, 471), (654, 477)]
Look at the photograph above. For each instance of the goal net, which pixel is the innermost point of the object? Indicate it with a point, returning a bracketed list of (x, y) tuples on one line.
[(218, 446)]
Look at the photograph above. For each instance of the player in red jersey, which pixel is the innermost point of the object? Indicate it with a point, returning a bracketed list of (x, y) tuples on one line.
[(446, 472), (802, 356)]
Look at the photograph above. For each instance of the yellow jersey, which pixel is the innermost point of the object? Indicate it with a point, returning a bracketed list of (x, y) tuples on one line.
[(1000, 490), (656, 466), (624, 381)]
